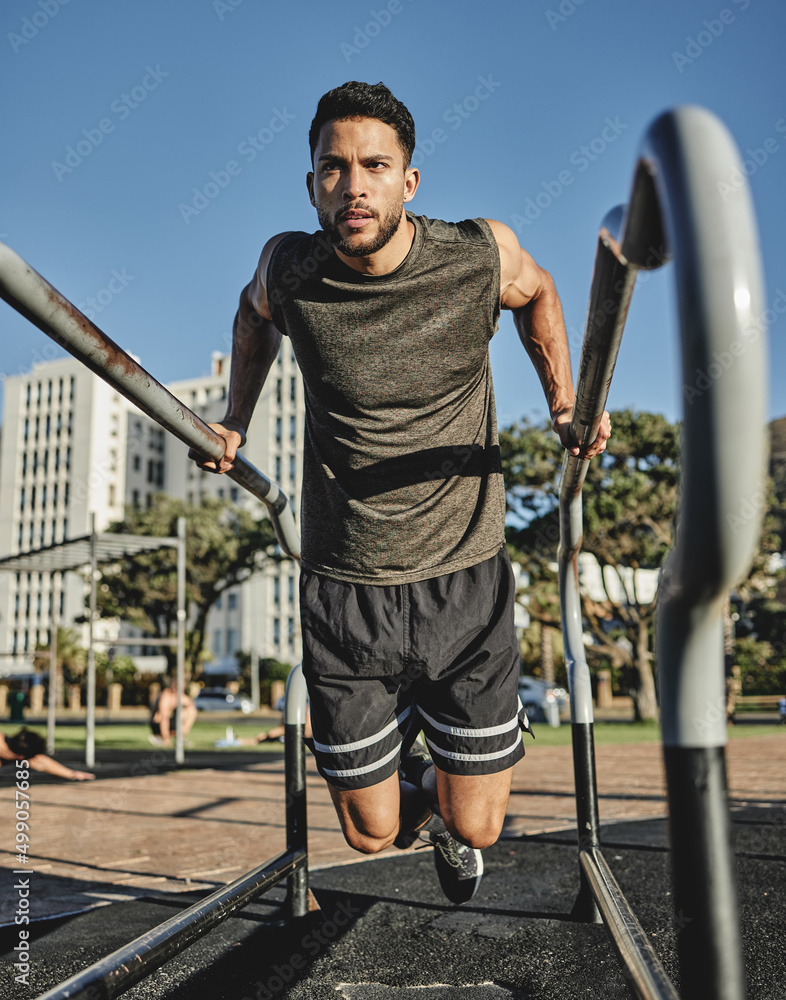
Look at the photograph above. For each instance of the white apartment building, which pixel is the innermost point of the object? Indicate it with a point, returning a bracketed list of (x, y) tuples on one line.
[(72, 446), (263, 613), (62, 459)]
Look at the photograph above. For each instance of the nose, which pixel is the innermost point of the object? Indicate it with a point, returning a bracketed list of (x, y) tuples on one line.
[(353, 183)]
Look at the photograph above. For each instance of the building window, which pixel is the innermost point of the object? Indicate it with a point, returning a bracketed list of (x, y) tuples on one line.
[(276, 590), (231, 641), (234, 494), (292, 468), (217, 642), (292, 430), (232, 601), (137, 463), (276, 631), (278, 468), (278, 430), (293, 389), (291, 632), (66, 493), (135, 499), (278, 392), (291, 588)]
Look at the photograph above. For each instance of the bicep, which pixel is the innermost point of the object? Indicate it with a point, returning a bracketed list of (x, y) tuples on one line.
[(521, 279)]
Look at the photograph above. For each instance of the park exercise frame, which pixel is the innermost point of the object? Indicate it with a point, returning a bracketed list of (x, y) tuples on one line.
[(680, 207)]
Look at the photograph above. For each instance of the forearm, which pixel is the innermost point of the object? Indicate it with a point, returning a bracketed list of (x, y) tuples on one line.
[(255, 344), (541, 327)]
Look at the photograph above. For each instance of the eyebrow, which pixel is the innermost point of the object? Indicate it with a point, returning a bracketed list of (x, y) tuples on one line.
[(335, 158)]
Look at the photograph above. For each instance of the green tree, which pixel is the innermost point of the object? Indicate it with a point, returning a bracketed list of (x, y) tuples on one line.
[(225, 544), (629, 504)]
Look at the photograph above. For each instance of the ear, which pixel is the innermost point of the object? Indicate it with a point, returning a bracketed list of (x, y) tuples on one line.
[(411, 182), (310, 186)]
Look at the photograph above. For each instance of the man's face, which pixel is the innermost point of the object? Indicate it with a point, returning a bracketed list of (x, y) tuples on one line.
[(359, 185)]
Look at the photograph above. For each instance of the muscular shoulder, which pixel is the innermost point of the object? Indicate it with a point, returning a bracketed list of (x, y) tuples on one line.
[(521, 279)]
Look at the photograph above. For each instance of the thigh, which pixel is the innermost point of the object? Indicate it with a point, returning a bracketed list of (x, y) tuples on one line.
[(473, 806), (369, 816)]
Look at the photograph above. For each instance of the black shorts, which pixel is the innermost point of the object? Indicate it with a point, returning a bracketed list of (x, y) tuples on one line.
[(384, 662)]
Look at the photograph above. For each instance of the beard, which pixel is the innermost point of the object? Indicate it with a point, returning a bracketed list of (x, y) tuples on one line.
[(361, 248)]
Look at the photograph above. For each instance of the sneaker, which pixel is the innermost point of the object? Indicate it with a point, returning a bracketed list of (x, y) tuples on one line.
[(415, 762), (459, 868)]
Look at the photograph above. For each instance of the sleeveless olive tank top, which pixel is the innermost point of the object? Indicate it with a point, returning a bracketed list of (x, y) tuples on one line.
[(401, 469)]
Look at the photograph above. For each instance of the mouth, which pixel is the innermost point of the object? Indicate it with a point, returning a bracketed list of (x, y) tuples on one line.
[(355, 218)]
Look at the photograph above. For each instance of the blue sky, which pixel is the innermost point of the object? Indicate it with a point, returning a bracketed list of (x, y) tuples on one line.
[(156, 99)]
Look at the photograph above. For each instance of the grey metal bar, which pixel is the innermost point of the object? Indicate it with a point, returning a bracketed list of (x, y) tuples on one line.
[(118, 972), (32, 296), (646, 976), (181, 637), (90, 722), (676, 209), (295, 702)]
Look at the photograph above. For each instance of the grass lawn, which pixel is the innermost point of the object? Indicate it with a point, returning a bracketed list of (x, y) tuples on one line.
[(134, 736)]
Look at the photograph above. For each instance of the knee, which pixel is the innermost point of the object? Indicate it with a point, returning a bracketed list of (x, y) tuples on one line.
[(365, 842), (475, 831)]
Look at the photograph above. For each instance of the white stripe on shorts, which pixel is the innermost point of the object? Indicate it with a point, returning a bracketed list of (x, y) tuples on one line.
[(350, 772), (457, 731), (361, 744), (474, 756)]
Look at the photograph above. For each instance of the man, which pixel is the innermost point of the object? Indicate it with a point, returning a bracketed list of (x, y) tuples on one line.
[(406, 588), (163, 715)]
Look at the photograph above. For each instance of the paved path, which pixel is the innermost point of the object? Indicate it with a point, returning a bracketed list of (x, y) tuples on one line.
[(139, 829)]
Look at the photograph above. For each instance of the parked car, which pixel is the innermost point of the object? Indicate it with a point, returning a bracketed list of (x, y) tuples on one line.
[(222, 700), (540, 699)]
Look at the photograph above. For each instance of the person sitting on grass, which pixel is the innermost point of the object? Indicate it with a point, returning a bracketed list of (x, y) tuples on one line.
[(29, 746), (163, 715)]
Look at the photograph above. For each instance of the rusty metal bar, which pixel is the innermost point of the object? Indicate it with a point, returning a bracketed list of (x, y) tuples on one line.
[(31, 295)]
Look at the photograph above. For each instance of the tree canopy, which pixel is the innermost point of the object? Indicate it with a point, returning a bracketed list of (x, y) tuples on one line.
[(225, 544), (630, 498)]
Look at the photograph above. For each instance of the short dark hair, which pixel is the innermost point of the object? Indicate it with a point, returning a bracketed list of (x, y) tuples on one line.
[(364, 100), (25, 743)]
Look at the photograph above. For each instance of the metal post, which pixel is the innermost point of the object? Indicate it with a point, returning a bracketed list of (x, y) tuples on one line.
[(295, 706), (90, 741), (255, 695), (181, 637), (53, 672)]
